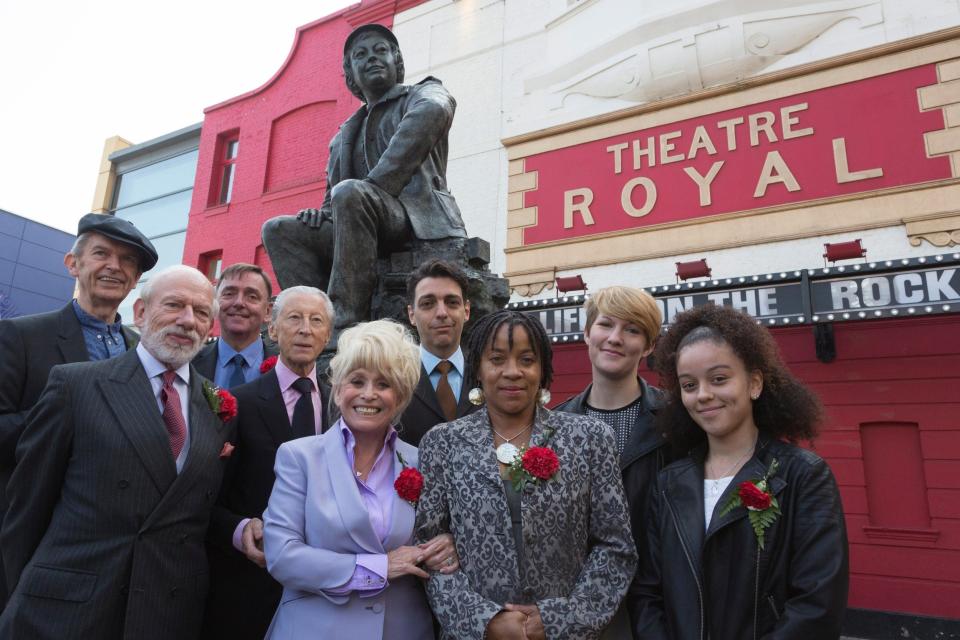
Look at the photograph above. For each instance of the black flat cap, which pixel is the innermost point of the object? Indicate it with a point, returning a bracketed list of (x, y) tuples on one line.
[(122, 231), (373, 26)]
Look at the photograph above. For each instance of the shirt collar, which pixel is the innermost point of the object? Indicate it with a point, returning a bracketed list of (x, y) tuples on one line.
[(431, 361), (87, 320), (286, 377), (389, 440), (251, 353), (154, 367)]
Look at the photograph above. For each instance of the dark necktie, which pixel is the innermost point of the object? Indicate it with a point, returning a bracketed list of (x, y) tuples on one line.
[(445, 392), (236, 375), (304, 423), (173, 414)]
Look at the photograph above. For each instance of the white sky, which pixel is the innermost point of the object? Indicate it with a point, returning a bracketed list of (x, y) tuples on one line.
[(74, 73)]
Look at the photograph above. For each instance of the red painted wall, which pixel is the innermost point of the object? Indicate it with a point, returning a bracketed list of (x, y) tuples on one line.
[(895, 388), (284, 129)]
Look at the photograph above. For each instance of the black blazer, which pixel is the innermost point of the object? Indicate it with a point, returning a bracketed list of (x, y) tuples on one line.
[(206, 361), (103, 538), (424, 412), (29, 347), (243, 597), (694, 583)]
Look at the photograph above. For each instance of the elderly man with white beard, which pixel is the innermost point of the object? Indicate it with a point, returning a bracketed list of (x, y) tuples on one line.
[(118, 469)]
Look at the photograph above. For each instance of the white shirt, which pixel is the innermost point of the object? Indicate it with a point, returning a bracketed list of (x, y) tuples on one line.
[(712, 490), (155, 370)]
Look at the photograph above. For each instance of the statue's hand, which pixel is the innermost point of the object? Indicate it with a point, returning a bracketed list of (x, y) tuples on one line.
[(312, 217)]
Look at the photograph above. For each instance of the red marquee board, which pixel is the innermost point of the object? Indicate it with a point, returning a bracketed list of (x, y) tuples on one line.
[(851, 138)]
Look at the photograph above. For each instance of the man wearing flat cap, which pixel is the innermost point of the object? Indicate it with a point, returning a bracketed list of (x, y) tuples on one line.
[(386, 181), (107, 259)]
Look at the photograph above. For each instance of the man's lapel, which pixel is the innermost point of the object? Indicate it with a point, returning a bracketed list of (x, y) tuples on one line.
[(427, 395), (348, 135), (272, 410), (128, 393), (73, 347)]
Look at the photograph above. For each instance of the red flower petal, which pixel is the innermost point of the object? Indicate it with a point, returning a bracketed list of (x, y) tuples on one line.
[(753, 498), (268, 363), (540, 462), (409, 484)]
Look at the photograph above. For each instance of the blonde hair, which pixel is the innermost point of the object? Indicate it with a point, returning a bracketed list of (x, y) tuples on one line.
[(382, 346), (627, 303)]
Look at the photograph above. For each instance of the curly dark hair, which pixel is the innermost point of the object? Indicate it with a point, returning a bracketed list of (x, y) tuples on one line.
[(786, 409), (483, 333)]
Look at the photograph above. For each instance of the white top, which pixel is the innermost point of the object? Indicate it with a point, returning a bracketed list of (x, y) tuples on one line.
[(712, 490)]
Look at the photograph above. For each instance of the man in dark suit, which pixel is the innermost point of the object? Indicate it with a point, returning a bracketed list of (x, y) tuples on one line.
[(285, 403), (107, 259), (438, 308), (243, 293), (118, 469)]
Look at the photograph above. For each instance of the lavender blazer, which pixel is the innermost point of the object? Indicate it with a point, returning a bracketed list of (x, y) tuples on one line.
[(314, 526)]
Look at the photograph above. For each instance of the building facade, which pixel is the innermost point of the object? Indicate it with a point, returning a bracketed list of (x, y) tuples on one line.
[(151, 185), (33, 278), (614, 139)]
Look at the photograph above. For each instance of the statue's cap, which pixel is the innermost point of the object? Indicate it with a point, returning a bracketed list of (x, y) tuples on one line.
[(364, 28), (120, 230)]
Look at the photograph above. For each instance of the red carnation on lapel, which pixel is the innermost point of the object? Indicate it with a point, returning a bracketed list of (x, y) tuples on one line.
[(409, 484), (268, 364), (540, 462), (753, 497), (228, 405)]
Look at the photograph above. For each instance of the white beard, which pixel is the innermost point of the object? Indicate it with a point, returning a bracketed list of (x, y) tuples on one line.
[(172, 356)]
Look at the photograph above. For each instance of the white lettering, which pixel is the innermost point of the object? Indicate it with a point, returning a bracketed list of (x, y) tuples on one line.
[(704, 182), (900, 293), (875, 292), (626, 196), (843, 169), (844, 292), (938, 285), (572, 206), (617, 151), (775, 170)]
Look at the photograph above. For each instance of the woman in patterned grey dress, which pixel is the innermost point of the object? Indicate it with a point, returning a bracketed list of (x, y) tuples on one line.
[(552, 559)]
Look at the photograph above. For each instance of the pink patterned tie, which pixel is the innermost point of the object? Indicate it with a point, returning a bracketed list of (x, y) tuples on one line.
[(172, 415)]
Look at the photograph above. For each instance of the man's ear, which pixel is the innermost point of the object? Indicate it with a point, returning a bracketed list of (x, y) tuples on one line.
[(70, 262), (466, 310), (410, 315), (138, 313)]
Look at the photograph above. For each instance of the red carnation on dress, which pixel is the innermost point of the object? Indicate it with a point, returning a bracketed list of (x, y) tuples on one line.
[(540, 462), (268, 363), (409, 484), (228, 405), (753, 497)]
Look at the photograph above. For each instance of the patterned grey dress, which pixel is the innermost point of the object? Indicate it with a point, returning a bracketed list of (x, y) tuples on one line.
[(579, 554)]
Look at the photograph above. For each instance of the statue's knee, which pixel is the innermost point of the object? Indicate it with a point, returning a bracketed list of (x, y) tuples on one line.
[(346, 193)]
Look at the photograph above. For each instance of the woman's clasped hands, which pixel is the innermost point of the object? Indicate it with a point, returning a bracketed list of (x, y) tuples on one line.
[(438, 554), (516, 622)]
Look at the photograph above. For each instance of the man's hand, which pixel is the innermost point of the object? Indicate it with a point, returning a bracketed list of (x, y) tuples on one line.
[(403, 561), (533, 623), (252, 541), (313, 218), (506, 625)]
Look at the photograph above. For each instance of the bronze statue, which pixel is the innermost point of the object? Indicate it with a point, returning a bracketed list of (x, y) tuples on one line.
[(386, 182)]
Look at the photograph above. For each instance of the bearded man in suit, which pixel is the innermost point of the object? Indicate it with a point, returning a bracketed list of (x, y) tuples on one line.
[(118, 469), (287, 402), (438, 308), (107, 259)]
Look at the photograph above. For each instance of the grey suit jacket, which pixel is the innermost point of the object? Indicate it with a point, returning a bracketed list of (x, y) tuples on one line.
[(579, 554), (103, 539)]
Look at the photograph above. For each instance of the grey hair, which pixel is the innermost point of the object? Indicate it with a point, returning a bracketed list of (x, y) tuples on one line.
[(80, 244), (147, 289), (313, 291)]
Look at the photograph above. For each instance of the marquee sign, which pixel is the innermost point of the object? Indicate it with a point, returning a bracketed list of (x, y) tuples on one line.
[(846, 139), (893, 288)]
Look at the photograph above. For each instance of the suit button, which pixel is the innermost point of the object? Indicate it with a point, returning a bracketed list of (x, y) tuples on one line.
[(377, 608), (123, 484), (174, 592)]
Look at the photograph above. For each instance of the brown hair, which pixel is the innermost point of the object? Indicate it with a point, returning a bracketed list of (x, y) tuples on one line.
[(237, 270)]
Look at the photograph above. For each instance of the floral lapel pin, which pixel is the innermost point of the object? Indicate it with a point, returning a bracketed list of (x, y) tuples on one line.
[(533, 464), (268, 363), (762, 507), (221, 401), (409, 484)]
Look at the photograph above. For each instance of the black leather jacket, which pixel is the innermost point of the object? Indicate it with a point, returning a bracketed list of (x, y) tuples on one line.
[(718, 585), (643, 457)]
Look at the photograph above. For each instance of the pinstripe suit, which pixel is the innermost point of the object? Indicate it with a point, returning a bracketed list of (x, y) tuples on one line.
[(103, 539)]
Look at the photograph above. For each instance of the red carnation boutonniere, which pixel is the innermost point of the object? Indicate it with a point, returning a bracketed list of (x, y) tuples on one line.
[(409, 484), (534, 464), (762, 507), (221, 401), (268, 363)]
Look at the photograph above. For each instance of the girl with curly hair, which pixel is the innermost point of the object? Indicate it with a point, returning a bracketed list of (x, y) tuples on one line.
[(746, 536)]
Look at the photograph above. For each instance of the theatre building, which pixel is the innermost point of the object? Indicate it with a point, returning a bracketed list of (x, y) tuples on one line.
[(797, 160)]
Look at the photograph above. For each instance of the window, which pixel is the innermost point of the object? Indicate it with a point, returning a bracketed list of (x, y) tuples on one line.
[(211, 264), (225, 170)]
